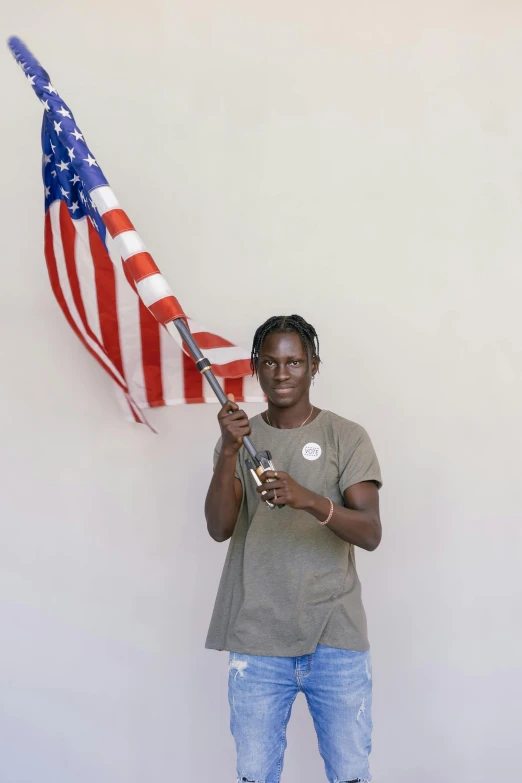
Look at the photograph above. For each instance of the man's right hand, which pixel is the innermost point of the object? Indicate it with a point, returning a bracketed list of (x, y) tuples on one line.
[(234, 426)]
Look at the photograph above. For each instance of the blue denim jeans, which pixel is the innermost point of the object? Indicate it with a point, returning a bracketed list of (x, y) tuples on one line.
[(337, 685)]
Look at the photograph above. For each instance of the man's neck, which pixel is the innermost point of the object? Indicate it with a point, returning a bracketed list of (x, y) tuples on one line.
[(289, 418)]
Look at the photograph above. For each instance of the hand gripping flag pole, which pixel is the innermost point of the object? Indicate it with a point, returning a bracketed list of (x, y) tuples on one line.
[(90, 187)]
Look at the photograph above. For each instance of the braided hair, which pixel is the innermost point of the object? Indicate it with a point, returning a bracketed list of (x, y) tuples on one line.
[(285, 323)]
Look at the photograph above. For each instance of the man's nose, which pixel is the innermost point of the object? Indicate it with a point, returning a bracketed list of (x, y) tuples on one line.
[(281, 372)]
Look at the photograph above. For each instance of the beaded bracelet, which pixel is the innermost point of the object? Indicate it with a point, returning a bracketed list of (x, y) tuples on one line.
[(328, 518)]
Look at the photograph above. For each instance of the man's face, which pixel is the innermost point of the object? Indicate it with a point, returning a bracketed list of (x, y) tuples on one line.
[(284, 369)]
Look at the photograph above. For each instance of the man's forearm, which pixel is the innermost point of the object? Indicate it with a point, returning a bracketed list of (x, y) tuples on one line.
[(359, 527), (221, 504)]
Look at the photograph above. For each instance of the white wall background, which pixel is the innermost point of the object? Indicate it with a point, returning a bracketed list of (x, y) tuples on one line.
[(361, 164)]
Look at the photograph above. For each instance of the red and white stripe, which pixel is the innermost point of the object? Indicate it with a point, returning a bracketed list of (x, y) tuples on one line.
[(125, 332), (151, 286)]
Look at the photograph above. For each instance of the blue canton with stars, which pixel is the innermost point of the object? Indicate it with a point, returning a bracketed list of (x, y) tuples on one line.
[(69, 169)]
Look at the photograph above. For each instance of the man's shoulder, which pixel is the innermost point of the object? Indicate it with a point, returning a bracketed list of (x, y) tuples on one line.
[(341, 427), (256, 422)]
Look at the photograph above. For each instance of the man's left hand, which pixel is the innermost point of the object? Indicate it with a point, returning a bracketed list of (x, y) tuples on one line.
[(282, 489)]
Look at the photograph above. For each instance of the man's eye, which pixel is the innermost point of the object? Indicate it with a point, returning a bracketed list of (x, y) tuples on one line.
[(268, 362), (295, 362)]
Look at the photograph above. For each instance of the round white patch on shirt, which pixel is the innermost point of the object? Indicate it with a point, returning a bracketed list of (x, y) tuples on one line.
[(312, 451)]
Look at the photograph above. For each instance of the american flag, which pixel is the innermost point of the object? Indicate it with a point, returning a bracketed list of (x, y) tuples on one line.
[(107, 284)]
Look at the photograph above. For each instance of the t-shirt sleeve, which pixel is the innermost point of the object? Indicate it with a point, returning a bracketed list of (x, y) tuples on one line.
[(238, 474), (358, 460)]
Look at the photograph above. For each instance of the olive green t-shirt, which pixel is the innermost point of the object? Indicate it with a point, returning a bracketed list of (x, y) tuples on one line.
[(289, 583)]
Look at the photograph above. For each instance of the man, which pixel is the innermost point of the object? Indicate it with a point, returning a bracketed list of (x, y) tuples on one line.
[(289, 604)]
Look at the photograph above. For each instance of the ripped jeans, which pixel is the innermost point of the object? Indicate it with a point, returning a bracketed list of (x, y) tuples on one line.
[(337, 685)]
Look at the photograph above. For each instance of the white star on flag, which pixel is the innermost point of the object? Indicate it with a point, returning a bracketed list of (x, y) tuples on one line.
[(74, 206), (75, 179), (47, 191), (90, 160), (63, 111), (46, 106), (77, 135), (50, 88), (46, 159), (71, 152), (57, 126), (62, 165), (65, 193), (31, 79)]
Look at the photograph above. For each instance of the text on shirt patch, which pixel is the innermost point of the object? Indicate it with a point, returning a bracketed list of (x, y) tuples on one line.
[(312, 451)]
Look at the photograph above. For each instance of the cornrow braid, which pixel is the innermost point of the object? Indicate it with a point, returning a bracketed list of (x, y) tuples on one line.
[(285, 323)]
